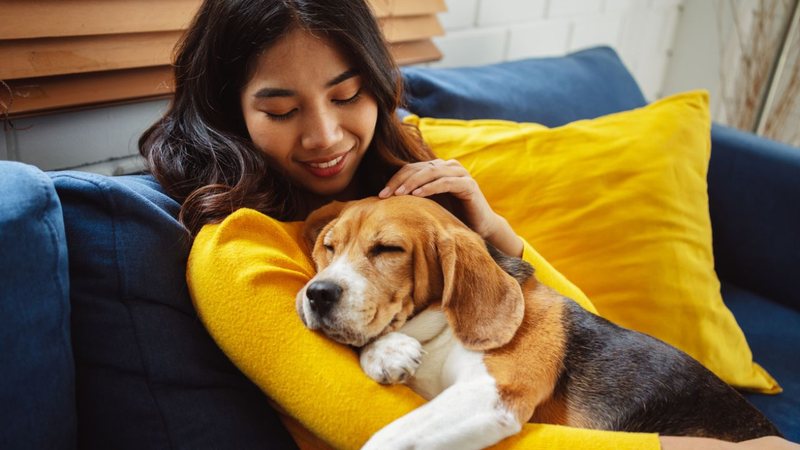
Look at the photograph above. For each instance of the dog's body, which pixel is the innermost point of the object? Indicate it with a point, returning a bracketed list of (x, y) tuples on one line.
[(433, 307)]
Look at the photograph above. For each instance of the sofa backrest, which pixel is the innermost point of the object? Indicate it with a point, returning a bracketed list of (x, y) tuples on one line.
[(550, 91)]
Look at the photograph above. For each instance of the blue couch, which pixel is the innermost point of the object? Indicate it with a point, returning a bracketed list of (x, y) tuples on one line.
[(101, 347)]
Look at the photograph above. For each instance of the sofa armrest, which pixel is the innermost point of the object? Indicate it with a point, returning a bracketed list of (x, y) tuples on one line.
[(754, 201), (37, 373)]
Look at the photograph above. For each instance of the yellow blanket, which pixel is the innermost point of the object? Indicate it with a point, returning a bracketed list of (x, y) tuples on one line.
[(243, 275)]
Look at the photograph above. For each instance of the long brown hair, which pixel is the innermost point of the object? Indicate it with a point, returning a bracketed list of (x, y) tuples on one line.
[(200, 150)]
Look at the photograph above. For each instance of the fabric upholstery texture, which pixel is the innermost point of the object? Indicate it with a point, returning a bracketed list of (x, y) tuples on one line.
[(550, 91), (148, 374), (619, 205), (37, 374), (765, 323), (755, 191)]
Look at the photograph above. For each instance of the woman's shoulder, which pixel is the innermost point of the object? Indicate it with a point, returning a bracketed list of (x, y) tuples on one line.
[(249, 223), (247, 233)]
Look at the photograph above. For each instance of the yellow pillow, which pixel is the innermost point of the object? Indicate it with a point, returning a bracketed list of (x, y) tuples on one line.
[(619, 205)]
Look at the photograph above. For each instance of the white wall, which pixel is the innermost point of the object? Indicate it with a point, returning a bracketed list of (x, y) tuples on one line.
[(488, 31), (709, 53), (93, 139), (696, 52), (477, 32)]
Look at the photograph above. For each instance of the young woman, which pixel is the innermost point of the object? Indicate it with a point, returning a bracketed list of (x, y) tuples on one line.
[(281, 106)]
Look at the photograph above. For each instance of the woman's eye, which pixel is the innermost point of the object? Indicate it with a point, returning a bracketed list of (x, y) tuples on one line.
[(381, 249), (348, 100), (283, 116)]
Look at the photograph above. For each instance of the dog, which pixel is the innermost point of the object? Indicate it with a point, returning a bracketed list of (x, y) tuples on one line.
[(471, 330)]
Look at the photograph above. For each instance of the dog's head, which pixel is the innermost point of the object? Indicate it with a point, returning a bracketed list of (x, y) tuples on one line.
[(381, 261)]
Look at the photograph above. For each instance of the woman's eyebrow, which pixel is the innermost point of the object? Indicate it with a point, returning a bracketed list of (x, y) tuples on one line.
[(347, 74), (273, 92), (268, 92)]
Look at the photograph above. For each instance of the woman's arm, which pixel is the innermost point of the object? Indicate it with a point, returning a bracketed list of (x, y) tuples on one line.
[(692, 443), (243, 276)]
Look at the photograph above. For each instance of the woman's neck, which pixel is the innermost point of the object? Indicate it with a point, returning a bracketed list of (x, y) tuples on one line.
[(308, 201)]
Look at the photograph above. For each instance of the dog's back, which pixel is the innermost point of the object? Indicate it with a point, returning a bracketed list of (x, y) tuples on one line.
[(632, 382), (613, 378)]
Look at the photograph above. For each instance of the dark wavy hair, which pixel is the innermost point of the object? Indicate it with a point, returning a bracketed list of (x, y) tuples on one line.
[(200, 150)]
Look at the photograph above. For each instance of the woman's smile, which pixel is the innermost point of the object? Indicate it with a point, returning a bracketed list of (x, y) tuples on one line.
[(327, 167)]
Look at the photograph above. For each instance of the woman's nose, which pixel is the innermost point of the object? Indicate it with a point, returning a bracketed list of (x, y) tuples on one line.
[(322, 130)]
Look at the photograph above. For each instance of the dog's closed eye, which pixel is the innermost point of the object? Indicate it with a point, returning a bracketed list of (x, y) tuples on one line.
[(382, 249)]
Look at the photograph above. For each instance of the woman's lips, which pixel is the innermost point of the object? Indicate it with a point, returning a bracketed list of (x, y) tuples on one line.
[(329, 168)]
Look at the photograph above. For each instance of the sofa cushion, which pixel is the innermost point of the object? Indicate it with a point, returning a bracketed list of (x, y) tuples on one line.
[(551, 91), (36, 367), (148, 375), (773, 331)]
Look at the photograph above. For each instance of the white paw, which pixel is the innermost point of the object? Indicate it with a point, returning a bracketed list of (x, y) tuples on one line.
[(391, 359)]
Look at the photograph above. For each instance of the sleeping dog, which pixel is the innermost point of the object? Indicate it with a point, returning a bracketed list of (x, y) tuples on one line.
[(491, 348)]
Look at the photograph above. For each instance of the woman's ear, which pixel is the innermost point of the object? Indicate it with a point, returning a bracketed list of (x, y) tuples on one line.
[(483, 304), (317, 220)]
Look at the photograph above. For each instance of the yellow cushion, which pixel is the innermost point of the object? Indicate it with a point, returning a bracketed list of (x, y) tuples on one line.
[(243, 275), (619, 205)]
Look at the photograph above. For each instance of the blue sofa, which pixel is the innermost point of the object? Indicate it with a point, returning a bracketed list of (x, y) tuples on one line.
[(101, 347)]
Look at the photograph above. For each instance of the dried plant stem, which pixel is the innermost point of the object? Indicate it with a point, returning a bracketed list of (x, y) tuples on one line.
[(751, 60), (784, 97)]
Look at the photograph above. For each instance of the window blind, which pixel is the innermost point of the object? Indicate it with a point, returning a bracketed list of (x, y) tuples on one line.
[(63, 54)]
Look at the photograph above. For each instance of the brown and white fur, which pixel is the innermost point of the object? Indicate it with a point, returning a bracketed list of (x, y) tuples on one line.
[(490, 347)]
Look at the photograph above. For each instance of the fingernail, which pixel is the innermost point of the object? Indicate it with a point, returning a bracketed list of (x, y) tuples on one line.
[(384, 193), (417, 191), (400, 191)]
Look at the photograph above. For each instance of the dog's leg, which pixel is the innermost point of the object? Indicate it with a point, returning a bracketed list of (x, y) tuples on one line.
[(392, 358), (467, 415), (395, 357)]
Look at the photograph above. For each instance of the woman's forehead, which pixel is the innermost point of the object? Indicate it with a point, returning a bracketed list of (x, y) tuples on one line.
[(300, 59)]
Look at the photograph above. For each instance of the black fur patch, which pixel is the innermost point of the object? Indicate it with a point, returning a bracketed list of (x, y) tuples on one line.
[(515, 267), (629, 381)]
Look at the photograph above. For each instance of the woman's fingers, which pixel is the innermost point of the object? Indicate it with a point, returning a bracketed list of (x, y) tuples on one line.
[(461, 187), (412, 177)]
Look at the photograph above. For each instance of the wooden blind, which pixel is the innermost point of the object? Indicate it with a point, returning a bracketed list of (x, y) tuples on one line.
[(65, 54)]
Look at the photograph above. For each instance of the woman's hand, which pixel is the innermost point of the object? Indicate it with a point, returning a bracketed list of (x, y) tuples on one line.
[(427, 178)]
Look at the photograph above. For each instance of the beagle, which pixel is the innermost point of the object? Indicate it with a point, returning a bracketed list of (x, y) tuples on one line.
[(491, 348)]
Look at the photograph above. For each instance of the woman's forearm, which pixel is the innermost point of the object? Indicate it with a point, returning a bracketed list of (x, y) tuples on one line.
[(695, 443)]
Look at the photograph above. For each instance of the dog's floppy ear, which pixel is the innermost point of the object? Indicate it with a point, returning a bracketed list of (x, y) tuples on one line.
[(427, 270), (483, 304), (318, 219)]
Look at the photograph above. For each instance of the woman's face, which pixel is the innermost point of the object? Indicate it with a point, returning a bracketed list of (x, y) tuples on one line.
[(309, 111)]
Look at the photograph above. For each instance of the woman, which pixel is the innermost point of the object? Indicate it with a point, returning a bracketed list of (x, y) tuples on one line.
[(280, 107), (240, 133)]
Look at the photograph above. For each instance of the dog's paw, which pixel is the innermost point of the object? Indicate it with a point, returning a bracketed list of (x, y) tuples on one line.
[(391, 359)]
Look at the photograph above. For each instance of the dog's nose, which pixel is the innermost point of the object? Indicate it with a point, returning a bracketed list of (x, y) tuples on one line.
[(322, 295)]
